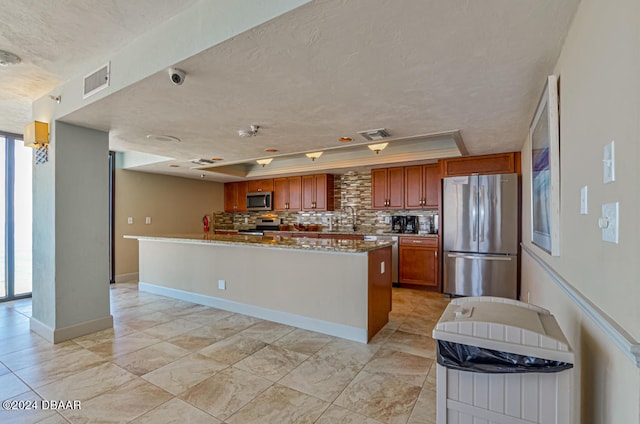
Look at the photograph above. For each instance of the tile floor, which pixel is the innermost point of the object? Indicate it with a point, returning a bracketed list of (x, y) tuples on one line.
[(169, 361)]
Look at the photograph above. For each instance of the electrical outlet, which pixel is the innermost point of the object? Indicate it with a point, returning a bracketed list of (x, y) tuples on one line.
[(130, 220), (147, 220), (222, 285)]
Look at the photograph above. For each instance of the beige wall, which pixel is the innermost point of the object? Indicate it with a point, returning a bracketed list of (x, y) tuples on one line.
[(175, 205), (278, 279), (599, 72)]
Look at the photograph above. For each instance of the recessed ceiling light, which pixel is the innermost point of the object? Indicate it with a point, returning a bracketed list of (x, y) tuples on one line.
[(8, 58), (345, 139), (163, 138), (270, 150)]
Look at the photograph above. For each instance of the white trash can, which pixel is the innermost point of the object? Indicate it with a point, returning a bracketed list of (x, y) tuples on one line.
[(501, 361)]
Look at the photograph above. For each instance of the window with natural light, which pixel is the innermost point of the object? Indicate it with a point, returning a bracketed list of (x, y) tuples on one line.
[(15, 218)]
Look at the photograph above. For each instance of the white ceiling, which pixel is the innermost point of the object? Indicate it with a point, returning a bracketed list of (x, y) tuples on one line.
[(327, 69)]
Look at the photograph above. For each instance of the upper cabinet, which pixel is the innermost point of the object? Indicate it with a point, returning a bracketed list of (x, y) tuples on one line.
[(503, 163), (421, 186), (387, 188), (287, 194), (235, 196), (317, 192), (260, 185)]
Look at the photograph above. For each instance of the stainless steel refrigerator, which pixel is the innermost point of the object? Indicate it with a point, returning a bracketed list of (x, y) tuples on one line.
[(480, 235)]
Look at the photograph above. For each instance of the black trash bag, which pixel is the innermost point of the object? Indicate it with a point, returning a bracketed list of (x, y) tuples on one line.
[(476, 359)]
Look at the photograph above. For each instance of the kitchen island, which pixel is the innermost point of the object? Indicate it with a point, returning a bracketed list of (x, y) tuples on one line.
[(337, 287)]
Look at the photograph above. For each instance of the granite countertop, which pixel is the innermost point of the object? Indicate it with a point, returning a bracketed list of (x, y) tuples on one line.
[(357, 233), (362, 233), (316, 244)]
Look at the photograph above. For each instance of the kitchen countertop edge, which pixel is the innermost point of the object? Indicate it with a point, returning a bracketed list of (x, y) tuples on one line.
[(308, 244)]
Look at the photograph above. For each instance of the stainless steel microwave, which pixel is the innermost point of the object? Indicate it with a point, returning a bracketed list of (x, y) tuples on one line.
[(260, 201)]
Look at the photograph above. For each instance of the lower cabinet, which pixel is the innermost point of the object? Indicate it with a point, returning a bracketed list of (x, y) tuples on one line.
[(418, 261)]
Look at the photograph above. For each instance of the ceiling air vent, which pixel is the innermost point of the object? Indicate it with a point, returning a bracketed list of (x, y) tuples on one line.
[(96, 81), (374, 135), (203, 161)]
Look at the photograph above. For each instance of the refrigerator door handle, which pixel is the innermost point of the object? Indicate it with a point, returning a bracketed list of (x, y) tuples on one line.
[(480, 257), (474, 213), (481, 224)]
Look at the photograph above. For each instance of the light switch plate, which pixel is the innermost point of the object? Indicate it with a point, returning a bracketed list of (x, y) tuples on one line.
[(609, 163), (222, 285), (130, 220), (147, 220), (584, 191), (609, 222)]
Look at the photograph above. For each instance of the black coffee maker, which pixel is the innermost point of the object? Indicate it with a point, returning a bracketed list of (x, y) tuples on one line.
[(411, 224), (398, 224)]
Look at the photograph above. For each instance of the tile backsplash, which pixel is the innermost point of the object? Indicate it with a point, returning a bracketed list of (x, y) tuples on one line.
[(351, 189)]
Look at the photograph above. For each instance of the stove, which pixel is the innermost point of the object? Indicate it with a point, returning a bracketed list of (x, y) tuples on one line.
[(262, 225)]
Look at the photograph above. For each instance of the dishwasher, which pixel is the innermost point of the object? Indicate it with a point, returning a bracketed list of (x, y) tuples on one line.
[(394, 253)]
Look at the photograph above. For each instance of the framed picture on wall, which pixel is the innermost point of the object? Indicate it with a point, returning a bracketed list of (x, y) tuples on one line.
[(544, 139)]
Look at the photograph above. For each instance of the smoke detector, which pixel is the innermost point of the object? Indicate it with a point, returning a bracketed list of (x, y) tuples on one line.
[(252, 131), (374, 135), (8, 58)]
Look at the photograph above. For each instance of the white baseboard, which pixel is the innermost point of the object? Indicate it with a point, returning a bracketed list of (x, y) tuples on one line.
[(66, 333), (333, 329), (127, 277)]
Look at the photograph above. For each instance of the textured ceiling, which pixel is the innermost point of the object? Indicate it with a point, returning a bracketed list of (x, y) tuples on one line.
[(327, 69), (57, 40)]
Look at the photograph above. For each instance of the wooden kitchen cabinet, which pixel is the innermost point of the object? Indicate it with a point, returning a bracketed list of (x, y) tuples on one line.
[(287, 194), (387, 188), (421, 186), (418, 261), (260, 185), (317, 192), (502, 163), (235, 196)]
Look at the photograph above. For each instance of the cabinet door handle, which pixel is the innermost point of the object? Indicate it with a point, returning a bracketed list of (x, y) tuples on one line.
[(435, 252)]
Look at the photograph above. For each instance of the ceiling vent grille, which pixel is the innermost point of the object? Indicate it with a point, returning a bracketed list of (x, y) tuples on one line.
[(96, 81), (203, 161), (375, 135)]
